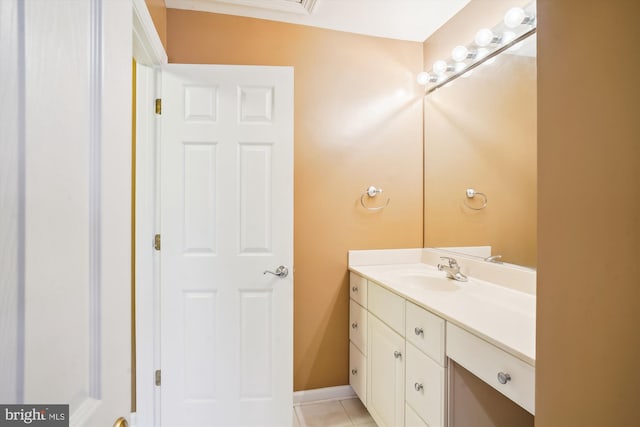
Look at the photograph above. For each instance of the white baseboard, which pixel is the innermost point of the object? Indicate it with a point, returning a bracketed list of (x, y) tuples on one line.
[(320, 394)]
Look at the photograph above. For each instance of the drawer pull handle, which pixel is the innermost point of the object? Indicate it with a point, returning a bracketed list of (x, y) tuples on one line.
[(397, 354), (418, 386), (418, 331), (354, 325), (503, 378), (354, 289), (354, 371)]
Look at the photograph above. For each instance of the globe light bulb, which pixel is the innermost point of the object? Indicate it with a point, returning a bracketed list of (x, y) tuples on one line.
[(459, 53), (514, 17), (484, 37), (440, 67), (423, 78)]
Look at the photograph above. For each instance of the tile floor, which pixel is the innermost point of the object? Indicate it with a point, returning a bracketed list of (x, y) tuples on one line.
[(332, 413)]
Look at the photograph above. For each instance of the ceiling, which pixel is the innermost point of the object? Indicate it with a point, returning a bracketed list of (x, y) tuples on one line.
[(412, 20)]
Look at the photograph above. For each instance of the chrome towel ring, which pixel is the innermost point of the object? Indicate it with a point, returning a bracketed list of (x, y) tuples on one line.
[(471, 193), (373, 192)]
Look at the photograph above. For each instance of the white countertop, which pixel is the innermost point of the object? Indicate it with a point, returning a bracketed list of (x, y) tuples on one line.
[(500, 315)]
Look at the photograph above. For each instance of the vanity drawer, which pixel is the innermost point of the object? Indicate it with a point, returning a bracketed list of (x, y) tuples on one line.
[(425, 330), (411, 419), (487, 361), (424, 387), (387, 306), (358, 326), (358, 289), (358, 372)]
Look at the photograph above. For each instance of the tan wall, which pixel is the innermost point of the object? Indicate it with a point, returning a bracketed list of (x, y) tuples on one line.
[(158, 12), (358, 122), (481, 133), (588, 321)]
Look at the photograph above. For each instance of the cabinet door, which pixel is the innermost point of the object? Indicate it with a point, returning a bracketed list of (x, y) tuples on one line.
[(385, 379), (425, 387)]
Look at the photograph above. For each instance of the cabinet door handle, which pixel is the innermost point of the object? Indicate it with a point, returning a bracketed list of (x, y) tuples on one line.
[(354, 325), (418, 386), (418, 331), (354, 289), (397, 354), (354, 371), (503, 378)]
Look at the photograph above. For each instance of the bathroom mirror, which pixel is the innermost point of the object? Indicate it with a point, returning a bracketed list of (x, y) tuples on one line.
[(480, 134)]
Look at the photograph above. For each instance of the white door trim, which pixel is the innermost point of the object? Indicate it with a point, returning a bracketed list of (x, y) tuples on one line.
[(147, 47), (147, 50)]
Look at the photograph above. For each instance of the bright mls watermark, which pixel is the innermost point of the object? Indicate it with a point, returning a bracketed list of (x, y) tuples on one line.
[(34, 415)]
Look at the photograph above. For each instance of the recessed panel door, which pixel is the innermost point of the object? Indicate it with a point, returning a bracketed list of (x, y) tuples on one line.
[(227, 228)]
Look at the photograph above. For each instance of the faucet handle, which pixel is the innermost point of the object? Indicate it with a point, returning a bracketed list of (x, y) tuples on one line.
[(452, 261)]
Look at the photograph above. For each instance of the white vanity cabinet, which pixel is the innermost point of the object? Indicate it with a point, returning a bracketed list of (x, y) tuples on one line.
[(358, 335), (404, 357), (415, 330)]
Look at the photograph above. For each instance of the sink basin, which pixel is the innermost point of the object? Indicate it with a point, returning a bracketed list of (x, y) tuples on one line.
[(425, 281)]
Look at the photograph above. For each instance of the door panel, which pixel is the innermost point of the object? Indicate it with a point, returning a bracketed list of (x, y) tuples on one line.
[(227, 217), (385, 374), (71, 125)]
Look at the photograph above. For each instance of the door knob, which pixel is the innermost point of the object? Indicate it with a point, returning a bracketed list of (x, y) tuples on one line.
[(121, 422), (281, 271)]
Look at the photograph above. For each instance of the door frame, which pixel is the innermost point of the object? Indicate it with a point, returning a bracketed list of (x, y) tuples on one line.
[(149, 54)]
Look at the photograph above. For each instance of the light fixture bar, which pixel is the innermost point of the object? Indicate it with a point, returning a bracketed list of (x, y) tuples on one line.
[(482, 60)]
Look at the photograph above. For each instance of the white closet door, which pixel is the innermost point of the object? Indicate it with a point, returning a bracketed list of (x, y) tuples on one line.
[(227, 216)]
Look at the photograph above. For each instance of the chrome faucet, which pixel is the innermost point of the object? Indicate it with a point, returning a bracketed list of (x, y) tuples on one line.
[(452, 269), (494, 258)]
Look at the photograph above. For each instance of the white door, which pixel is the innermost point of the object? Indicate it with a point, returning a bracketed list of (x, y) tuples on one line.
[(385, 369), (65, 202), (226, 218)]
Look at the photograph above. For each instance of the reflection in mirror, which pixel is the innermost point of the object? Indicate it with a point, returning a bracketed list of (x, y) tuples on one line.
[(480, 134)]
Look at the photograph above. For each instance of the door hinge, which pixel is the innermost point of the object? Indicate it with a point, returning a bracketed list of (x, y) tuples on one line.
[(158, 105), (156, 242), (158, 376)]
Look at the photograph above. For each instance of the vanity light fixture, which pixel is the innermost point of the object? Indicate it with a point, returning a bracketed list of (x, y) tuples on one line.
[(517, 16), (488, 43)]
